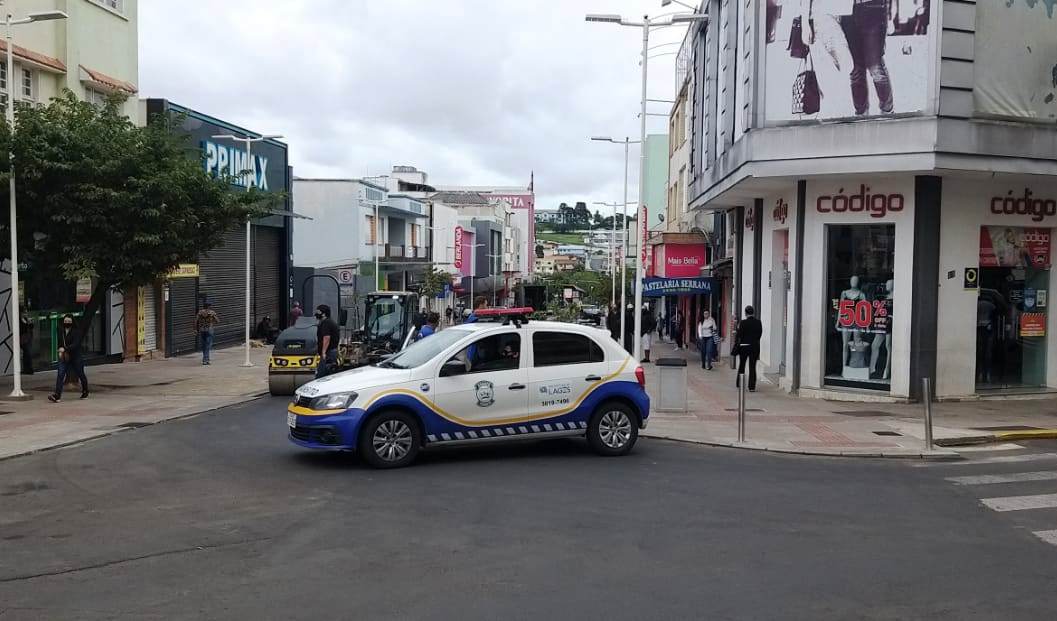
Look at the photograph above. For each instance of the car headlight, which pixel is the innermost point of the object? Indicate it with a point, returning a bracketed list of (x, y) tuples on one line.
[(335, 401)]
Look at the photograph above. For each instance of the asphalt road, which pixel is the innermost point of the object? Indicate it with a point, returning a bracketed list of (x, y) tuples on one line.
[(218, 517)]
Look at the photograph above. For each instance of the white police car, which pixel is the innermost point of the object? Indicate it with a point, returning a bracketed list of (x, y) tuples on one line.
[(480, 382)]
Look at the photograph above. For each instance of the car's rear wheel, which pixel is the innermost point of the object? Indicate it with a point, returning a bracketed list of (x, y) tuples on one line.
[(613, 429), (390, 440)]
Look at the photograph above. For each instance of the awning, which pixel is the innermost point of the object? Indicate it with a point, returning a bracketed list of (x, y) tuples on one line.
[(104, 82)]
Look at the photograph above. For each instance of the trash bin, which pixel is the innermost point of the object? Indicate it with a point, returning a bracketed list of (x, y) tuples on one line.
[(672, 393)]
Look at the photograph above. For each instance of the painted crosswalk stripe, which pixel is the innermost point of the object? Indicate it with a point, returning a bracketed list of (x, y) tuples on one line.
[(1002, 459), (1020, 503), (1013, 477), (1049, 536)]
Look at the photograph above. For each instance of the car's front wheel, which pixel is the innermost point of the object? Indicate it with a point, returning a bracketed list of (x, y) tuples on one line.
[(390, 440), (613, 429)]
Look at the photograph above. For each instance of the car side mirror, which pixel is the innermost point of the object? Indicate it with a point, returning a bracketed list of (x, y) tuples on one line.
[(453, 367)]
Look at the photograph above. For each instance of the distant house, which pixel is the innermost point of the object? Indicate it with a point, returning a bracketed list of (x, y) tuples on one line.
[(550, 216)]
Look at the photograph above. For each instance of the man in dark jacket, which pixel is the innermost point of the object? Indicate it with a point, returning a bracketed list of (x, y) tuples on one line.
[(70, 359), (747, 341), (613, 323), (328, 336), (649, 326)]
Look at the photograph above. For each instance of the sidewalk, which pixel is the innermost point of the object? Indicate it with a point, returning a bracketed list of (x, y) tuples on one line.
[(776, 421), (125, 396)]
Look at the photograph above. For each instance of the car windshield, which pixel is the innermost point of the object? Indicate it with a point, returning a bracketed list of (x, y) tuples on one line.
[(421, 352), (385, 318)]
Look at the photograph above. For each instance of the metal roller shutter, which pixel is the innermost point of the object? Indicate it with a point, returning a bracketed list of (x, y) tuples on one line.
[(150, 318), (181, 316), (222, 281), (267, 273)]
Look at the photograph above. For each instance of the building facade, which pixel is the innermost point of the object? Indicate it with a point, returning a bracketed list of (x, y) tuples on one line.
[(49, 57), (890, 215), (164, 313), (353, 223)]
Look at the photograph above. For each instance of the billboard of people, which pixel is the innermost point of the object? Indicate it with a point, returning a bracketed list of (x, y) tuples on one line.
[(1015, 65), (834, 59)]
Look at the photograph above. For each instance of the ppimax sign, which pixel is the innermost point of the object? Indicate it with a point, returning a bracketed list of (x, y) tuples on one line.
[(233, 161)]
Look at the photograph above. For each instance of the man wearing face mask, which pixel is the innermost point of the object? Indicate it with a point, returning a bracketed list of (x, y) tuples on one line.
[(70, 360), (327, 337)]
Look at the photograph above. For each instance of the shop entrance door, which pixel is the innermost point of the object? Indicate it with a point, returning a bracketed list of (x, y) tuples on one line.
[(1011, 327), (780, 295)]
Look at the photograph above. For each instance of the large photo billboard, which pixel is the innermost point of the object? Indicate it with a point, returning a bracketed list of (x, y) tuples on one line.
[(835, 59), (1015, 69)]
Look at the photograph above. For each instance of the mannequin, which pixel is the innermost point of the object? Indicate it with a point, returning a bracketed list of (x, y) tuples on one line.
[(884, 337), (854, 294)]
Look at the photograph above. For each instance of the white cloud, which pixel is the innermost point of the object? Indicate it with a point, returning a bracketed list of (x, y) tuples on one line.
[(472, 91)]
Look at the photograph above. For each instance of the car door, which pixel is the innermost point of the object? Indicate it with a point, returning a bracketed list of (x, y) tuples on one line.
[(565, 366), (490, 388)]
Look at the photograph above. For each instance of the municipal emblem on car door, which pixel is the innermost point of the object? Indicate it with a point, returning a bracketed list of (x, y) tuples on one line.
[(485, 394)]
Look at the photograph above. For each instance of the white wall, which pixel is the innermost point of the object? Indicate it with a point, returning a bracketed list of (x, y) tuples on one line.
[(445, 219), (966, 206), (333, 235), (770, 307), (816, 318)]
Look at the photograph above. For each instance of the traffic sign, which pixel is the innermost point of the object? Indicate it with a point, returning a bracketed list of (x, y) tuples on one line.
[(345, 277)]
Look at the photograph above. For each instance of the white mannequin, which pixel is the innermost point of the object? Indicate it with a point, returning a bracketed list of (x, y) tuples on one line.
[(885, 337), (854, 294)]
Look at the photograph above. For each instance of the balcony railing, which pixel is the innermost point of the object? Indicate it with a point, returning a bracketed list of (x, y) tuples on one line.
[(411, 253)]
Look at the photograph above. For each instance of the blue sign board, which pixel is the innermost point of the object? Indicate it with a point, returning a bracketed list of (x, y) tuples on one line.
[(660, 287)]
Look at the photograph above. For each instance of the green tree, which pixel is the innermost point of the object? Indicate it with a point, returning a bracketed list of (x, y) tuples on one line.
[(581, 214), (101, 198), (433, 282)]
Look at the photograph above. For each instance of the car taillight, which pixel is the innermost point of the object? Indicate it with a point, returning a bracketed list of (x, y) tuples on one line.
[(640, 375)]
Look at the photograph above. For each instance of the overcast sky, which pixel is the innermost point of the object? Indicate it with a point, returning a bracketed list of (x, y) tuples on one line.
[(478, 92)]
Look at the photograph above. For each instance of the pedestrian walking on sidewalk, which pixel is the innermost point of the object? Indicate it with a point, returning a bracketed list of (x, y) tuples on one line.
[(676, 329), (25, 341), (706, 340), (205, 326), (649, 326), (613, 323), (70, 359), (327, 338), (747, 341)]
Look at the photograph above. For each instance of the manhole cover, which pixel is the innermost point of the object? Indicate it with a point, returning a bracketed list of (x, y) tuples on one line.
[(746, 409), (864, 413), (134, 425), (887, 433), (1008, 428)]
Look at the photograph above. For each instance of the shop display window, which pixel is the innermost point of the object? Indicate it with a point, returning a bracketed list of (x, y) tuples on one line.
[(860, 289)]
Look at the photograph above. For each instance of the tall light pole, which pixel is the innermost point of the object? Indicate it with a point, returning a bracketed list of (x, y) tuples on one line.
[(646, 24), (473, 274), (613, 246), (627, 142), (16, 331), (250, 179)]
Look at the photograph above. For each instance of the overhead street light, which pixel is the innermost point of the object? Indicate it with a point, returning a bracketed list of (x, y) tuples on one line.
[(16, 332), (669, 3), (646, 24), (250, 179), (624, 225)]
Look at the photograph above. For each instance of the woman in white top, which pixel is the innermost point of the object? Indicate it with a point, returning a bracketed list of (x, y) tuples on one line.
[(706, 339)]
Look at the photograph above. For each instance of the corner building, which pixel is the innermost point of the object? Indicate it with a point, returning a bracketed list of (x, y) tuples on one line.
[(892, 189)]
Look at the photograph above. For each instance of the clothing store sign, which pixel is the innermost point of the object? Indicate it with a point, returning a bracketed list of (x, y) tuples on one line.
[(458, 248), (1013, 246), (833, 59), (864, 200), (1025, 204), (683, 260)]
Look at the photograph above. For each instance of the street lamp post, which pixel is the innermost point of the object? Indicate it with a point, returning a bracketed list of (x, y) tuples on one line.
[(646, 24), (627, 142), (250, 175), (473, 274), (613, 250), (16, 332)]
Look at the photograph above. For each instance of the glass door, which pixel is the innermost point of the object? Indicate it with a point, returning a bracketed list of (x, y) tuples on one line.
[(1011, 327)]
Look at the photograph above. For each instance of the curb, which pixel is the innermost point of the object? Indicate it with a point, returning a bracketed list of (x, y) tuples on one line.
[(1002, 436), (938, 455), (115, 431)]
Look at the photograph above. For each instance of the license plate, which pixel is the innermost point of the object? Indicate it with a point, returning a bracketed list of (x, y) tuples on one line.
[(291, 419)]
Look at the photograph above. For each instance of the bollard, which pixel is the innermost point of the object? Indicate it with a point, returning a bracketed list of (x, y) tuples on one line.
[(741, 407), (926, 396)]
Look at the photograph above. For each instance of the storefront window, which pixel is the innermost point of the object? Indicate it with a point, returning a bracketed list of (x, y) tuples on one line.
[(860, 290), (1011, 307)]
